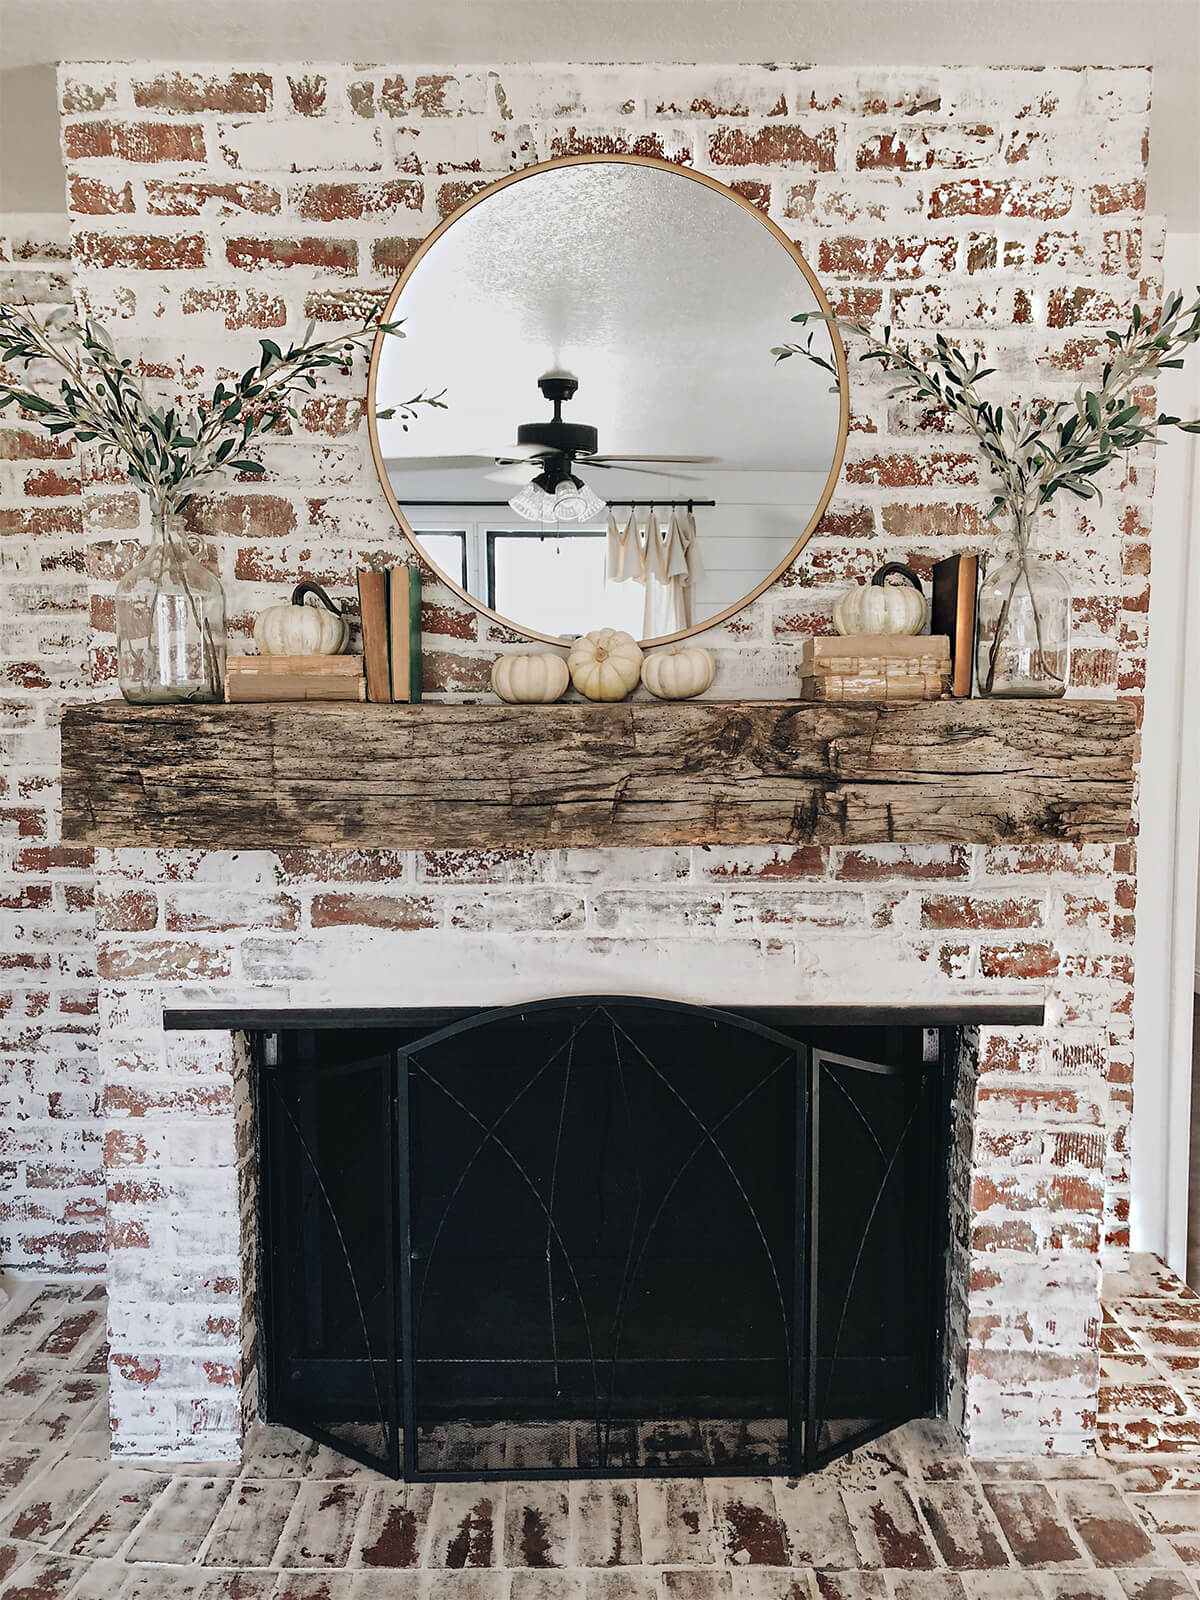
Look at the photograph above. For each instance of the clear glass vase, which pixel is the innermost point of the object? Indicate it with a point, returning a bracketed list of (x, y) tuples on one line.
[(1024, 640), (170, 623)]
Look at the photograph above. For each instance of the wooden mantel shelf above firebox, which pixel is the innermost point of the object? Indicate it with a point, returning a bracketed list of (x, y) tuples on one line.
[(637, 773)]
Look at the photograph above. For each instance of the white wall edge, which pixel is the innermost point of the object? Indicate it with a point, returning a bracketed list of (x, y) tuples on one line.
[(1169, 840)]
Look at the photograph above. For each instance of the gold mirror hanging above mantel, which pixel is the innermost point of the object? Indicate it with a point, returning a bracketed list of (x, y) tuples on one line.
[(618, 447)]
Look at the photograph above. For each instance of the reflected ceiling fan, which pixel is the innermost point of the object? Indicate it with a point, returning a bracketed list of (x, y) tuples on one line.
[(544, 458)]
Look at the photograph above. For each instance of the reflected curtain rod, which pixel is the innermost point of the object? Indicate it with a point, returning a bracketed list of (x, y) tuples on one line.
[(632, 504)]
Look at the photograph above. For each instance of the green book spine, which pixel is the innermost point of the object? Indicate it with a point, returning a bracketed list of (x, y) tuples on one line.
[(404, 597), (414, 635)]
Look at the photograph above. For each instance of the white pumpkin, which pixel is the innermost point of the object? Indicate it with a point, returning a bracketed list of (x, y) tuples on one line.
[(530, 679), (880, 609), (605, 664), (300, 630), (676, 674)]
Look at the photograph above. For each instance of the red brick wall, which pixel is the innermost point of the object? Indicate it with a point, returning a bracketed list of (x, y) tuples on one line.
[(51, 1172), (1003, 207), (209, 207)]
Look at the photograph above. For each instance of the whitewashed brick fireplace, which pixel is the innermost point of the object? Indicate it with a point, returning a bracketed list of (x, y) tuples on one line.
[(210, 207), (796, 926)]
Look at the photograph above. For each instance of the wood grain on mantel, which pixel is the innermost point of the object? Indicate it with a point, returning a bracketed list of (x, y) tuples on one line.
[(636, 773)]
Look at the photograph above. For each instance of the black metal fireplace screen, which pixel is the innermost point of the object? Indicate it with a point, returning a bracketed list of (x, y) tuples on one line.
[(600, 1237)]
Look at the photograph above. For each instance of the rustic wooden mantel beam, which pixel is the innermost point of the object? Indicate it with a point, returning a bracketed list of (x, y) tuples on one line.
[(637, 773)]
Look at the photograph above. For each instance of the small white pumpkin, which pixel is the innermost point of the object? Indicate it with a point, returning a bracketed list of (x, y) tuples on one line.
[(530, 679), (300, 630), (892, 603), (605, 664), (675, 674)]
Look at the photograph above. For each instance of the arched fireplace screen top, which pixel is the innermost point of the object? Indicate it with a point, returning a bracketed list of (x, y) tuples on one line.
[(599, 1236)]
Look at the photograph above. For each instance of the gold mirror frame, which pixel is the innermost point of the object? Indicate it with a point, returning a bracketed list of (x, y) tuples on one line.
[(822, 303)]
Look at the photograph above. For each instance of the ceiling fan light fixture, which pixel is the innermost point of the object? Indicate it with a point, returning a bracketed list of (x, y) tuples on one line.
[(571, 500)]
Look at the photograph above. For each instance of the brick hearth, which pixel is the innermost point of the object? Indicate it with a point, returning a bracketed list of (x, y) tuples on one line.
[(906, 1518)]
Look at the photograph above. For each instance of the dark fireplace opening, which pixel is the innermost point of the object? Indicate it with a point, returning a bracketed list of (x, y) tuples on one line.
[(601, 1236)]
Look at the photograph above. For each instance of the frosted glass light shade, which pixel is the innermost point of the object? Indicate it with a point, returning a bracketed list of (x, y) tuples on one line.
[(571, 501), (532, 502), (576, 502)]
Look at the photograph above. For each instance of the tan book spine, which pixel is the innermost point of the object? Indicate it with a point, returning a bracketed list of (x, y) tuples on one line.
[(859, 666), (295, 666), (825, 651), (964, 625), (373, 610), (889, 689), (245, 687)]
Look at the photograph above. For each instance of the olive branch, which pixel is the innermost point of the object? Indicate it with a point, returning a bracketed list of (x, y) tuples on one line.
[(1035, 449), (172, 452)]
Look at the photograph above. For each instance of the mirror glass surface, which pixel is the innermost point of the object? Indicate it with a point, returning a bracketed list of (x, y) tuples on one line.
[(641, 305)]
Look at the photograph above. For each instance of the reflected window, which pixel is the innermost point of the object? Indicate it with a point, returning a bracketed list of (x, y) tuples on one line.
[(551, 581), (447, 550)]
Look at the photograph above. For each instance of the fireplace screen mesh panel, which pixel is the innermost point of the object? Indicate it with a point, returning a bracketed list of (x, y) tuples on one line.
[(596, 1237), (330, 1285), (602, 1227), (873, 1151)]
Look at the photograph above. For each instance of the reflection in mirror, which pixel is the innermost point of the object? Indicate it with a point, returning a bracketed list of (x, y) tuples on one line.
[(619, 447)]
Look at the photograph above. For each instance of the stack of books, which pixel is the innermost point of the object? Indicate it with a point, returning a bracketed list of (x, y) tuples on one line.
[(388, 669), (294, 678), (895, 669), (390, 608), (888, 667)]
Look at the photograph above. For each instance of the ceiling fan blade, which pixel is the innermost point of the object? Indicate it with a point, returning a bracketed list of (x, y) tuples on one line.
[(645, 472), (693, 460), (523, 452), (517, 472), (435, 463)]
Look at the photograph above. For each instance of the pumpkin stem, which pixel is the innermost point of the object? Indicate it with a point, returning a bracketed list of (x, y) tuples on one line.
[(880, 580), (302, 589)]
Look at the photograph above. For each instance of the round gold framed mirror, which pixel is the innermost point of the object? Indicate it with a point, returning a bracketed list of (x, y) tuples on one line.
[(618, 447)]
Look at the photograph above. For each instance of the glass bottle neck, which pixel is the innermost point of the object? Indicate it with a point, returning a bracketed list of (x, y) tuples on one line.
[(170, 548), (1021, 537), (167, 525)]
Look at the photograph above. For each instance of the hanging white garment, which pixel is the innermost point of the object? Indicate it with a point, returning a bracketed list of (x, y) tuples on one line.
[(614, 552), (666, 572), (640, 546), (626, 553), (691, 547), (695, 563)]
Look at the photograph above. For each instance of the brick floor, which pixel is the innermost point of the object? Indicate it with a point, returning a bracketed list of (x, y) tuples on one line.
[(907, 1518), (1149, 1363)]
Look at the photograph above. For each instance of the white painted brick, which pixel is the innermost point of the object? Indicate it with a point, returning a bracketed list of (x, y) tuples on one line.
[(660, 936), (259, 145)]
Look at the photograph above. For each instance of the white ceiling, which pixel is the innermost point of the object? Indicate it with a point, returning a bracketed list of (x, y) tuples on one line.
[(1164, 34), (661, 295)]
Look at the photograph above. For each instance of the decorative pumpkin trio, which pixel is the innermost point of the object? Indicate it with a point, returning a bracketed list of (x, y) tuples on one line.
[(603, 665), (606, 664)]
